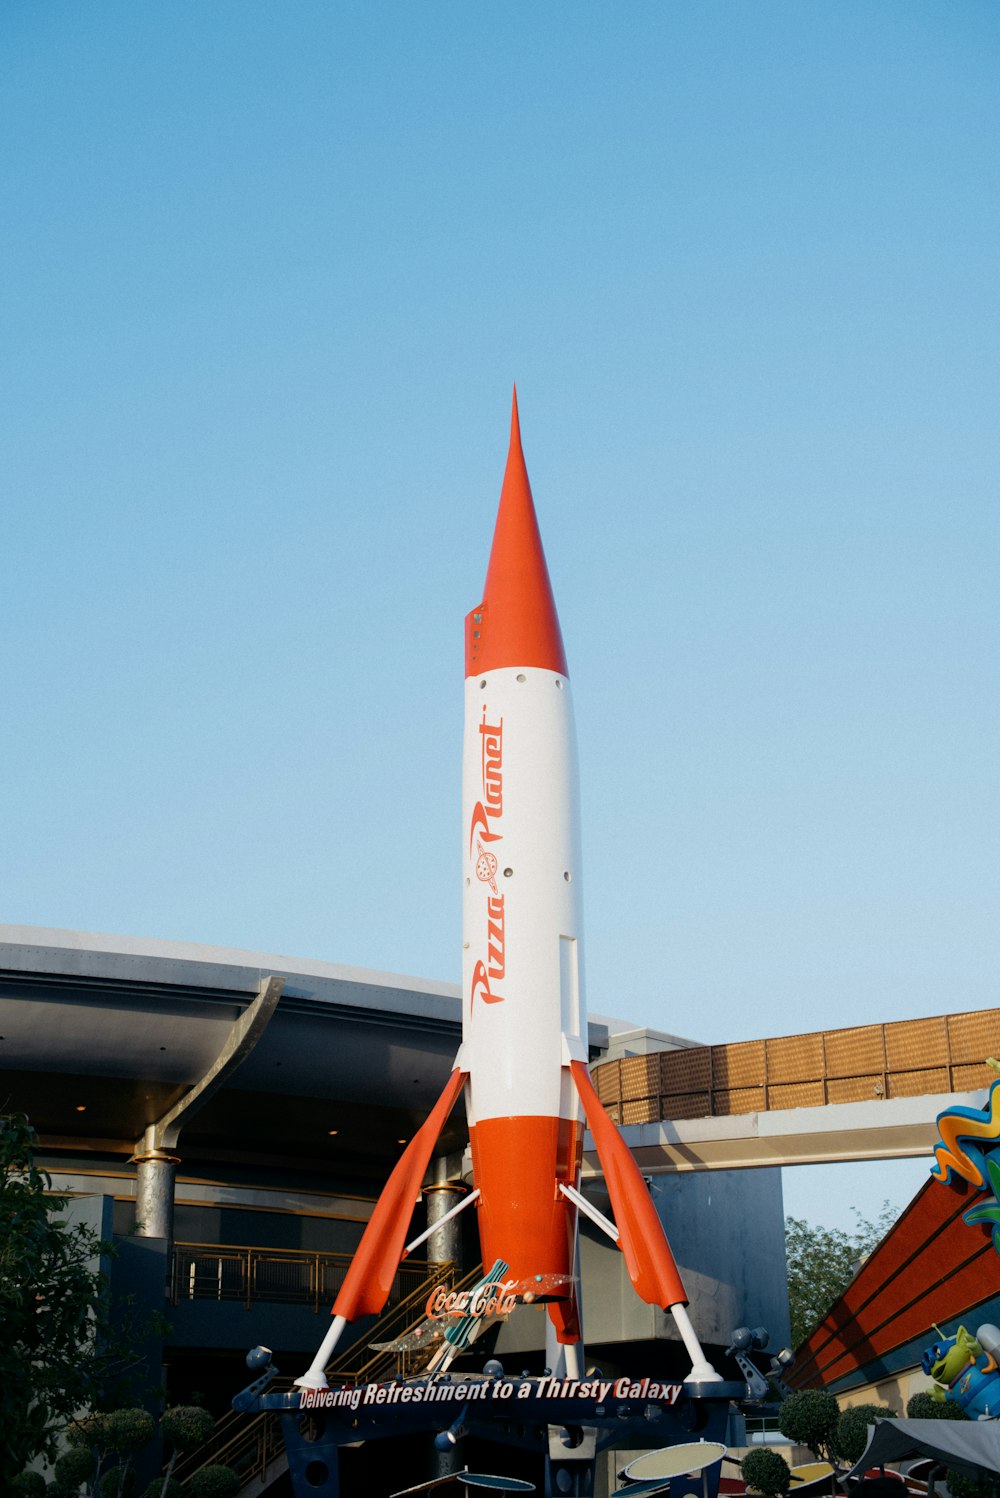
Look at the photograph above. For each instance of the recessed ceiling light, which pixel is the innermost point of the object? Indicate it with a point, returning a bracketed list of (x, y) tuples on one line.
[(331, 1132), (81, 1107), (400, 1141)]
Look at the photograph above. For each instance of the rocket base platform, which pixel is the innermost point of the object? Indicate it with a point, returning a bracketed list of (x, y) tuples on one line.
[(559, 1425)]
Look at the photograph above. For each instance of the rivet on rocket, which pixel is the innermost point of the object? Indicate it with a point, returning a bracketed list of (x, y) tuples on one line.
[(523, 1058)]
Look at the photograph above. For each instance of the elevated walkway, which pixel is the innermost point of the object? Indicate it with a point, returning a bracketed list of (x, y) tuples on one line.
[(871, 1092)]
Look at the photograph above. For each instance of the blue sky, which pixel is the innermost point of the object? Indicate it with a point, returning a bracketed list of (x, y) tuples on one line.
[(268, 273)]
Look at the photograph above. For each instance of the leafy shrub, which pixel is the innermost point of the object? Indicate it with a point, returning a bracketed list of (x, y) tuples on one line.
[(186, 1427), (960, 1486), (214, 1482), (925, 1407), (809, 1418), (852, 1429), (766, 1472)]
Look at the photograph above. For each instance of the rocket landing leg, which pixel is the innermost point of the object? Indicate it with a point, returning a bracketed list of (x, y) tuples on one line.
[(564, 1352), (369, 1279), (563, 1359), (648, 1258)]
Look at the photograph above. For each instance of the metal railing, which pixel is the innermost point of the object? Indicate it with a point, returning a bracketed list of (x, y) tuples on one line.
[(356, 1368), (203, 1271)]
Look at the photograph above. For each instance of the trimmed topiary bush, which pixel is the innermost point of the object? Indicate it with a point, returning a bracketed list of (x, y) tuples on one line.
[(852, 1429), (58, 1488), (766, 1472), (809, 1418), (128, 1430), (214, 1482), (173, 1489), (93, 1431), (186, 1427), (925, 1407), (120, 1482), (76, 1465), (29, 1485)]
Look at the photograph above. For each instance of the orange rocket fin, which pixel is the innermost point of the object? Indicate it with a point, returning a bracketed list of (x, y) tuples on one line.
[(516, 624), (369, 1279), (650, 1263)]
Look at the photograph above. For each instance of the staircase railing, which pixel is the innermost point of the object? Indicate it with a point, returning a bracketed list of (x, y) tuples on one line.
[(356, 1368), (249, 1444)]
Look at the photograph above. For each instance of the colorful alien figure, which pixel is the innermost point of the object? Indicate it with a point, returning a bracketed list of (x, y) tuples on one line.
[(965, 1370), (970, 1137)]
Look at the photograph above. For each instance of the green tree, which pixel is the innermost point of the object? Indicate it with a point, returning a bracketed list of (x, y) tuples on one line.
[(766, 1471), (822, 1262), (50, 1296), (809, 1417), (65, 1349)]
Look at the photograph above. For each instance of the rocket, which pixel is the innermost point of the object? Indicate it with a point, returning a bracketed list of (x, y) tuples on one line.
[(523, 1062)]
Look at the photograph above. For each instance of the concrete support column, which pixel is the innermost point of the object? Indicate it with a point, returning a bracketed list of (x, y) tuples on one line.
[(444, 1246), (154, 1191)]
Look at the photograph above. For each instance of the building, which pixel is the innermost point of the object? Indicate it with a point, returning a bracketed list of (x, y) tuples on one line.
[(229, 1117), (932, 1270)]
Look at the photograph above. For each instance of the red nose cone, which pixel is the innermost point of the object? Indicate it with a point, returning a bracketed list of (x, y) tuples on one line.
[(516, 624)]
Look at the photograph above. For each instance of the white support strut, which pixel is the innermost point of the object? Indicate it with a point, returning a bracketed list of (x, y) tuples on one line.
[(315, 1375), (452, 1212), (702, 1371), (589, 1210)]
